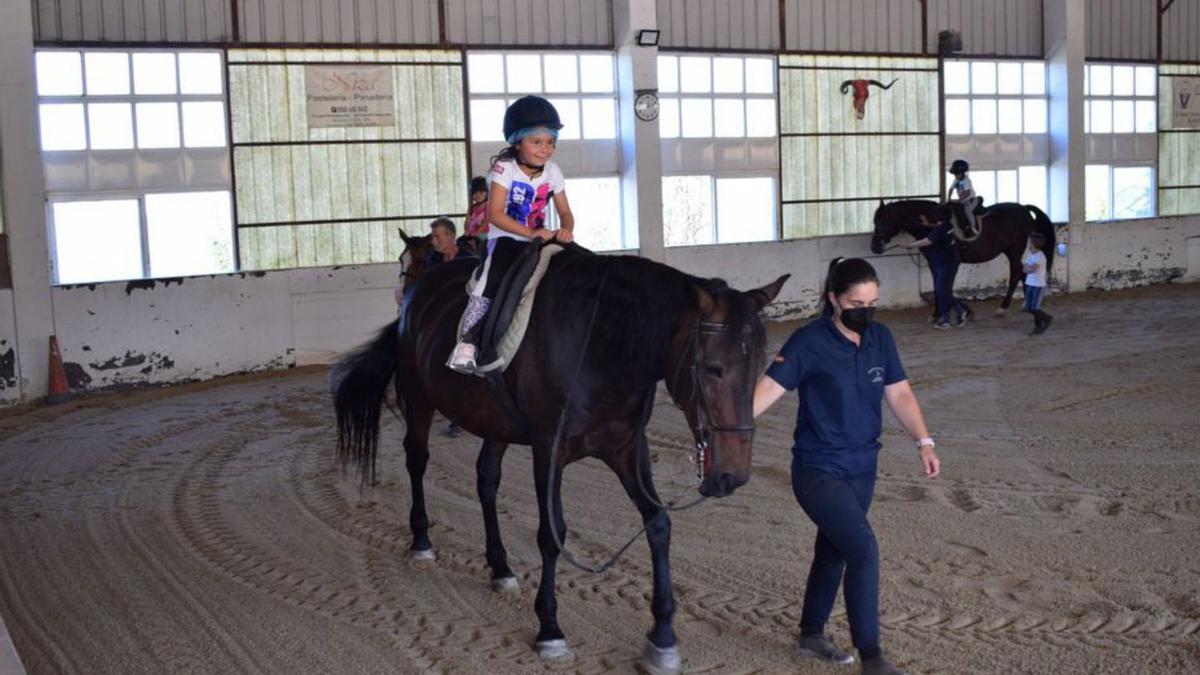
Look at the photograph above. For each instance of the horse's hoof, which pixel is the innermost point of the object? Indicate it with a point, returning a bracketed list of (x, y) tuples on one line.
[(505, 585), (554, 650), (426, 554), (660, 661)]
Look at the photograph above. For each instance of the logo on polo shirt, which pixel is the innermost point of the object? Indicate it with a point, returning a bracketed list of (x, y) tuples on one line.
[(779, 358), (876, 374)]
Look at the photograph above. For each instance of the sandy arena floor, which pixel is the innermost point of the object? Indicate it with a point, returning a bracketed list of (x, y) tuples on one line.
[(205, 528)]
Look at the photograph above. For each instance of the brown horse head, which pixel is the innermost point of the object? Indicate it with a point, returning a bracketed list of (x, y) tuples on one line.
[(905, 215), (862, 92), (713, 377), (412, 258)]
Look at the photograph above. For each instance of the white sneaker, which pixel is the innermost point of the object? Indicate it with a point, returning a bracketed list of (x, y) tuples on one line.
[(463, 358)]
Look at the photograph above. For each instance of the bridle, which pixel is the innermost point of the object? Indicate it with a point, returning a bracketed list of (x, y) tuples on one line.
[(704, 421)]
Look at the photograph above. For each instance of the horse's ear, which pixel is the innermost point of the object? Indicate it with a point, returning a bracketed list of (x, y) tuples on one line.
[(404, 237), (705, 302), (763, 296)]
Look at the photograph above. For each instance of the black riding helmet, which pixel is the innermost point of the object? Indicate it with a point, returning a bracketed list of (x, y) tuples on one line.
[(960, 165), (530, 111)]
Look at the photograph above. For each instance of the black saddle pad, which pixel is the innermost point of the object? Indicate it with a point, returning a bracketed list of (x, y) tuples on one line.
[(508, 297)]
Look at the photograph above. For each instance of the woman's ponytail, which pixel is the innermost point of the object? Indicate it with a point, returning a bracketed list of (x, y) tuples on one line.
[(844, 273)]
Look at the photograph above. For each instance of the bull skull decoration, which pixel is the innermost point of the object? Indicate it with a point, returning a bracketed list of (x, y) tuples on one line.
[(861, 92)]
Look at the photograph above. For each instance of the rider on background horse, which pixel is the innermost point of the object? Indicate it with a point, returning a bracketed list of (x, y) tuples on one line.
[(967, 197)]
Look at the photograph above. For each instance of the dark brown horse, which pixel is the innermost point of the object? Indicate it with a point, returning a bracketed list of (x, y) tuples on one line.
[(603, 331), (1005, 229)]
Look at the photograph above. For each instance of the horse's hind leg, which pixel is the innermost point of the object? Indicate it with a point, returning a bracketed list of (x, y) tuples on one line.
[(487, 483), (551, 643), (661, 655), (419, 417), (1014, 277)]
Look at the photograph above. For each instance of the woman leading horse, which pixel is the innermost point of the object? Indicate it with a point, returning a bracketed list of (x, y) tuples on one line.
[(602, 332), (1004, 231)]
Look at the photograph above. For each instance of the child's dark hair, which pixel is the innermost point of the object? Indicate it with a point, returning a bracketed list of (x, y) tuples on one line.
[(509, 153), (1038, 239), (843, 274), (479, 184)]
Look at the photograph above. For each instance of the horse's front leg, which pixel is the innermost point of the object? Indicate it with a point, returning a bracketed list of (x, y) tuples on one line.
[(487, 483), (632, 466), (551, 643)]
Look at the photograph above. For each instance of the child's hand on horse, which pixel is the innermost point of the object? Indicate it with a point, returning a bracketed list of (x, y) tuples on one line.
[(543, 234), (564, 236)]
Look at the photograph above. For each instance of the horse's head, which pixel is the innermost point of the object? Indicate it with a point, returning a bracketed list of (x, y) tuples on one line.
[(887, 225), (713, 377), (913, 216), (412, 258)]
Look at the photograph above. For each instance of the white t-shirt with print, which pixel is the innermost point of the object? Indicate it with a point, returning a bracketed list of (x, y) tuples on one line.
[(529, 199), (964, 185), (1037, 260)]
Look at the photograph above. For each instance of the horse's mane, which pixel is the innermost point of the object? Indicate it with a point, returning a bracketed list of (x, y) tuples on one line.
[(640, 304)]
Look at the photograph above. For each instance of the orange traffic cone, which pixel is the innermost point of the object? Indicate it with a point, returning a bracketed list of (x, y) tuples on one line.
[(59, 389)]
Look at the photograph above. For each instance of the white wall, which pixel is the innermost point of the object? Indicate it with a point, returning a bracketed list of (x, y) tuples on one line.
[(174, 331), (10, 389), (1126, 253), (179, 330)]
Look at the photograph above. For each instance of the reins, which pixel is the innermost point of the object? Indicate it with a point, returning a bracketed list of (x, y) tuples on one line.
[(700, 453)]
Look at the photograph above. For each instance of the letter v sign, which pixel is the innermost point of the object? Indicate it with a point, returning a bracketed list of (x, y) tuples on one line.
[(1183, 100)]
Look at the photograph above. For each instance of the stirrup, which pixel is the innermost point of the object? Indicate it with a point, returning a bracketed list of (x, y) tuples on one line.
[(462, 360)]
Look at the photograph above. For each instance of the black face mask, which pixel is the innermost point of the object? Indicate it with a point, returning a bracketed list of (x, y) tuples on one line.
[(857, 318)]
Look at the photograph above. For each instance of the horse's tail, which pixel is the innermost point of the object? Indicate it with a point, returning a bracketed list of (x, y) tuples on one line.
[(359, 382), (1046, 228)]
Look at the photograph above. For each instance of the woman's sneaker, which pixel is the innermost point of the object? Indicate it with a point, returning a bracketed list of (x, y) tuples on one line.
[(880, 666), (463, 358), (942, 325), (821, 648)]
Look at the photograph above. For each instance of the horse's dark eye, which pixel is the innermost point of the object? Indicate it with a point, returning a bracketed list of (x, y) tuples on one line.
[(715, 371)]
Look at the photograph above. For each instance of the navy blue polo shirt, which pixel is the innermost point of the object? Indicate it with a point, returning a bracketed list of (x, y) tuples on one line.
[(841, 394), (942, 245)]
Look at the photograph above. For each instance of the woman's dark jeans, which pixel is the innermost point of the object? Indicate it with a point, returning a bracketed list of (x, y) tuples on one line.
[(845, 543)]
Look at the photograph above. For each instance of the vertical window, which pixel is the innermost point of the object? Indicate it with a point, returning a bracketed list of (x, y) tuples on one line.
[(581, 87), (688, 210), (596, 203), (1120, 99), (990, 97), (1119, 192), (721, 97), (96, 240), (717, 210), (116, 104)]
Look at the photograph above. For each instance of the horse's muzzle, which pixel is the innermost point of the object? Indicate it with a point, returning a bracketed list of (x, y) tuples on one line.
[(876, 246), (721, 485)]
